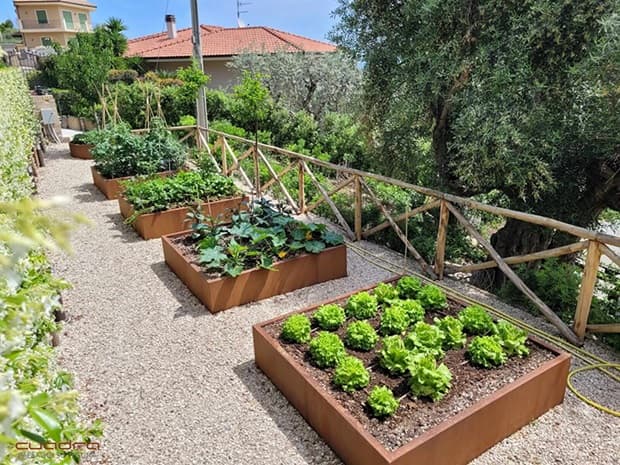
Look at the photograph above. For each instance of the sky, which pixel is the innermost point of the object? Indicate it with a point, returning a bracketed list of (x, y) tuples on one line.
[(310, 18)]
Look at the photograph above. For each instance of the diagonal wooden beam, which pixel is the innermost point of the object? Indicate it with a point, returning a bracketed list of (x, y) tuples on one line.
[(285, 171), (610, 254), (409, 214), (336, 189), (237, 165), (275, 176)]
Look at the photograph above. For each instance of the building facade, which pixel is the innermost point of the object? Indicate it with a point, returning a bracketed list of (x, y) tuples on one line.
[(44, 22)]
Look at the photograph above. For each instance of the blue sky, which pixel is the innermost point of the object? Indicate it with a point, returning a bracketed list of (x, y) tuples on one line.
[(310, 18)]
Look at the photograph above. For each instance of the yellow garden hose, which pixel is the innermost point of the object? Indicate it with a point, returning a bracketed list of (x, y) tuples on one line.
[(593, 361)]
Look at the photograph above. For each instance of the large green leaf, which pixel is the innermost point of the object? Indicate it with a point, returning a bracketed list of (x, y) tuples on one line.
[(212, 257), (48, 421), (314, 246)]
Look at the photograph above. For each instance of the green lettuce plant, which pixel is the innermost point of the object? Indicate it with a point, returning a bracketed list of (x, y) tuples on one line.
[(329, 317), (426, 338), (326, 350), (394, 356), (381, 402), (452, 328), (350, 374), (385, 293), (361, 306), (432, 297), (408, 287), (394, 320), (414, 309), (427, 379), (360, 335), (297, 329), (486, 351), (476, 321), (512, 339)]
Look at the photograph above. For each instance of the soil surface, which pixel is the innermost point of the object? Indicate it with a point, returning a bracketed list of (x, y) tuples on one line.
[(414, 416)]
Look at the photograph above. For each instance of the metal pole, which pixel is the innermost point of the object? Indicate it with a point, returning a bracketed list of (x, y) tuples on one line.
[(201, 101)]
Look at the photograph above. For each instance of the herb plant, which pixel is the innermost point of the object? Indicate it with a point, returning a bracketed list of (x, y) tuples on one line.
[(425, 338), (385, 293), (362, 306), (427, 379), (512, 339), (381, 402), (452, 329), (394, 356), (350, 374), (296, 328), (394, 320), (432, 297), (486, 351), (329, 317), (361, 335), (476, 320), (326, 350), (408, 287)]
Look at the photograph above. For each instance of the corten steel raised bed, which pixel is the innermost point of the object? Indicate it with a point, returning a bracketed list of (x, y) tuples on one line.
[(154, 225), (455, 441), (112, 188), (256, 284), (81, 151)]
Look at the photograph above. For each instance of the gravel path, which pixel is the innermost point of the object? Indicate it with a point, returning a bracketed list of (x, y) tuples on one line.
[(176, 385)]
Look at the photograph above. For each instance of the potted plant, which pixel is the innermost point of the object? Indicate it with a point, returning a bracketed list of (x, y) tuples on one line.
[(159, 206), (119, 155), (81, 145), (399, 373), (262, 252)]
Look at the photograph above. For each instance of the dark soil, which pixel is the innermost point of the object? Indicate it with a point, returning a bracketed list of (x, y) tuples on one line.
[(415, 416)]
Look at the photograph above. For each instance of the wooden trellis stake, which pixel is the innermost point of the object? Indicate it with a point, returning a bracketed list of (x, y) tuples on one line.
[(442, 233), (586, 292)]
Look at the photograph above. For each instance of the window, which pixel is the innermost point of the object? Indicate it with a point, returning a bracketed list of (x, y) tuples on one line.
[(41, 16), (68, 17), (46, 41), (83, 25)]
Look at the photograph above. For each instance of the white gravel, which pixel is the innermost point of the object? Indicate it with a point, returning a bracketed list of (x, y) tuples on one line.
[(176, 385)]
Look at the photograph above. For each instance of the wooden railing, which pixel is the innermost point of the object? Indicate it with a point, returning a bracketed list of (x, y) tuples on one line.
[(594, 243)]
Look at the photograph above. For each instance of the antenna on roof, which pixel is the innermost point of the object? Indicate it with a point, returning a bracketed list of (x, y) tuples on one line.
[(240, 4)]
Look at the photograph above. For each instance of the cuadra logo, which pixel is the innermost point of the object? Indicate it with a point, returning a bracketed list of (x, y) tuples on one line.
[(57, 446)]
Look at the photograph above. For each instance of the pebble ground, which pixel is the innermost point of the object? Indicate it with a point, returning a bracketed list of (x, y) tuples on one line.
[(176, 385)]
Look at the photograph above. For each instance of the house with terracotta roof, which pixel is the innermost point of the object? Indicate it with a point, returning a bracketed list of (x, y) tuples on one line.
[(172, 49)]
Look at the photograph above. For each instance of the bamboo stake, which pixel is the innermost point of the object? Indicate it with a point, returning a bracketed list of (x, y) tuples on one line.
[(556, 252), (329, 201), (275, 176), (358, 208), (586, 292), (256, 170), (425, 267), (336, 189), (442, 232), (406, 215), (222, 141), (302, 188), (512, 276)]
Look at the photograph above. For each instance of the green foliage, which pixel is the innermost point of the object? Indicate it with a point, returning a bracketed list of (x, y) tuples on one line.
[(329, 317), (512, 339), (427, 379), (408, 287), (182, 189), (385, 293), (361, 335), (413, 308), (251, 101), (394, 320), (381, 402), (296, 328), (476, 320), (394, 356), (361, 306), (452, 329), (326, 350), (127, 76), (486, 351), (426, 338), (432, 297), (350, 374)]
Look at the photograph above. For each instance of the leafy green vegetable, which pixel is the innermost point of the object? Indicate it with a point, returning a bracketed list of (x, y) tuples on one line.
[(385, 293), (350, 374), (408, 287), (414, 309), (452, 329), (393, 356), (432, 297), (381, 402), (329, 317), (476, 321), (326, 350), (361, 306), (486, 351), (394, 320), (427, 379), (296, 328), (426, 338), (361, 335), (512, 339)]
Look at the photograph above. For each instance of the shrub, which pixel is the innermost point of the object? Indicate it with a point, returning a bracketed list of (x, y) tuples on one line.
[(381, 402), (329, 317), (361, 335), (426, 338), (427, 379), (413, 308), (452, 329), (512, 339), (394, 356), (385, 293), (326, 350), (486, 351), (127, 76), (476, 321), (296, 328), (408, 287), (350, 374), (394, 320), (433, 297), (362, 306)]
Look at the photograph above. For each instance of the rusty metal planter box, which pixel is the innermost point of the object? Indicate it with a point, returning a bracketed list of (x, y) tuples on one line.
[(455, 441), (112, 188), (154, 225), (81, 151), (256, 284)]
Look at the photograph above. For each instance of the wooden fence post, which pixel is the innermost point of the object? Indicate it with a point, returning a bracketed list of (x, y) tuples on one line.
[(256, 171), (224, 159), (586, 291), (302, 189), (442, 231), (358, 209)]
